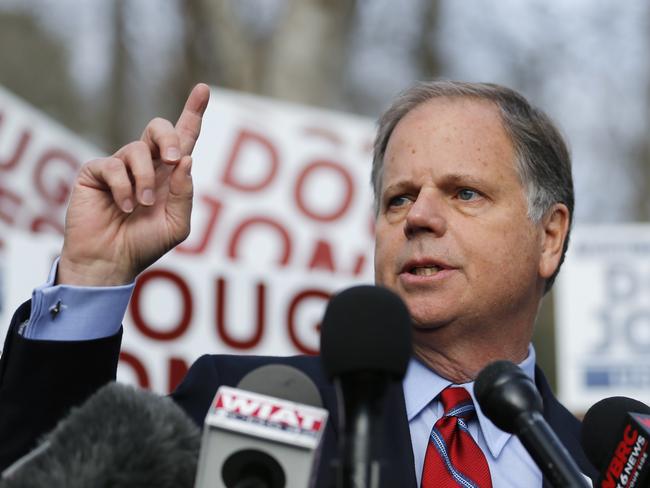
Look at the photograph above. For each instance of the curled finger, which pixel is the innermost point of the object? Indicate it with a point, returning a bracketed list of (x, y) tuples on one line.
[(111, 174), (140, 166), (163, 140)]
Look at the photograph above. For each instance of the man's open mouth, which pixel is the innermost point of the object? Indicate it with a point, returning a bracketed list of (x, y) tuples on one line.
[(425, 270)]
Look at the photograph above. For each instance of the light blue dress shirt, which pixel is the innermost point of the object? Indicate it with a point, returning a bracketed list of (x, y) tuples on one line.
[(83, 313), (75, 313), (509, 462)]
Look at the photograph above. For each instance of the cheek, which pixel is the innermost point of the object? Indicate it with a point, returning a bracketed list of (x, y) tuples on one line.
[(384, 255), (380, 260), (498, 244), (506, 258)]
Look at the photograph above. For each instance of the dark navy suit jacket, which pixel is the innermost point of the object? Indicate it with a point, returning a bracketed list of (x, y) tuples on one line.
[(41, 380)]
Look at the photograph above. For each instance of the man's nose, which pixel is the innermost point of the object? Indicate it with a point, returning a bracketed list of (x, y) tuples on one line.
[(426, 215)]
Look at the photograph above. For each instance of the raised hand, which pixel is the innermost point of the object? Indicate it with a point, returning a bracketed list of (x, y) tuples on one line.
[(128, 210)]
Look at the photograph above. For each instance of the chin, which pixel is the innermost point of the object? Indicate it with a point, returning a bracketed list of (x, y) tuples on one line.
[(430, 325), (427, 319)]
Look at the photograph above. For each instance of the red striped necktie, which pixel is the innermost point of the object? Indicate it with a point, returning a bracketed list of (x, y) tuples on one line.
[(453, 459)]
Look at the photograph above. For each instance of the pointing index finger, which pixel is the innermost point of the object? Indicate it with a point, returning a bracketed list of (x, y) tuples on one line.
[(188, 125)]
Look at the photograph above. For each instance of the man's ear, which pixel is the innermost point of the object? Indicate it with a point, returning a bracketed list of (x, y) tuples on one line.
[(555, 226)]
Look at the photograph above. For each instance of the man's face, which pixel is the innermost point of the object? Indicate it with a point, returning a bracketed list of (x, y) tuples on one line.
[(453, 238)]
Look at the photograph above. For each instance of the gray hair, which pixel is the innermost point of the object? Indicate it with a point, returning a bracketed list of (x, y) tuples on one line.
[(542, 158)]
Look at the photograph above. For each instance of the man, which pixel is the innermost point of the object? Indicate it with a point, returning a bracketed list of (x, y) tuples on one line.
[(474, 197)]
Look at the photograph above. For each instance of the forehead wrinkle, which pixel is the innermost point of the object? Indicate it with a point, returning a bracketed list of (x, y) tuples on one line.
[(462, 178)]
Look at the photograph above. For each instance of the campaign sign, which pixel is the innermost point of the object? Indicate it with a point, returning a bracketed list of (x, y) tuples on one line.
[(603, 316), (39, 159), (282, 219)]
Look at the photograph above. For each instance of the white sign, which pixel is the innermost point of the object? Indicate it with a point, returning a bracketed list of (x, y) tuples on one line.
[(603, 316), (282, 219), (39, 159)]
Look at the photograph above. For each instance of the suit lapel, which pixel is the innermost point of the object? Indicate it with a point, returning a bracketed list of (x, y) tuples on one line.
[(564, 424)]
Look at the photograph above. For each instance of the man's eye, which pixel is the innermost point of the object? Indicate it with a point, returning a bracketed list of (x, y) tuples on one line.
[(397, 201), (467, 195)]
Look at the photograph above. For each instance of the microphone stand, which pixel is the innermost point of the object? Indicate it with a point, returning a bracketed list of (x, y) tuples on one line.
[(361, 398)]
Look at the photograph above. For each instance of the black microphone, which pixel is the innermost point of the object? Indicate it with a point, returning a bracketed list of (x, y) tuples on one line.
[(365, 346), (120, 437), (509, 398), (615, 435), (265, 433)]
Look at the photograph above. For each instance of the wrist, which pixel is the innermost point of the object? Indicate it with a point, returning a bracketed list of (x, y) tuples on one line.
[(91, 272)]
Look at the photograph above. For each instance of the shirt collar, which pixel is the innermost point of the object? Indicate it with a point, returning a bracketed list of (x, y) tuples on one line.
[(422, 385)]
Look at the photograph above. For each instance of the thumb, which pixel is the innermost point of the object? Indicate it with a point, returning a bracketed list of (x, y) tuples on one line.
[(181, 191)]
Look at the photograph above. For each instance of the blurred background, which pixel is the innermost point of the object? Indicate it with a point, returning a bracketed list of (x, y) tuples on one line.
[(104, 68)]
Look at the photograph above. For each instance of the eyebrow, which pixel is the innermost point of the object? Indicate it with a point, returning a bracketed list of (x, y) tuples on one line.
[(451, 179), (397, 187)]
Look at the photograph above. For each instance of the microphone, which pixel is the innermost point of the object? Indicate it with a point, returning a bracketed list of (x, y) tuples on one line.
[(615, 434), (365, 347), (509, 398), (265, 433), (120, 437)]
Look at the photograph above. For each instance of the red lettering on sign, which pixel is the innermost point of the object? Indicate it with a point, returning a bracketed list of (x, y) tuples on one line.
[(324, 133), (291, 318), (359, 265), (265, 221), (322, 257), (10, 162), (177, 370), (45, 223), (246, 138), (347, 196), (214, 209), (10, 202), (55, 190), (135, 306), (128, 359), (222, 330)]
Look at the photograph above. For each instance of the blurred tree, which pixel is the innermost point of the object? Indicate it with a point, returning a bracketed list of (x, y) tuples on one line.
[(289, 49), (644, 166), (391, 48), (198, 38), (35, 67), (643, 148), (298, 50), (196, 60), (117, 115)]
